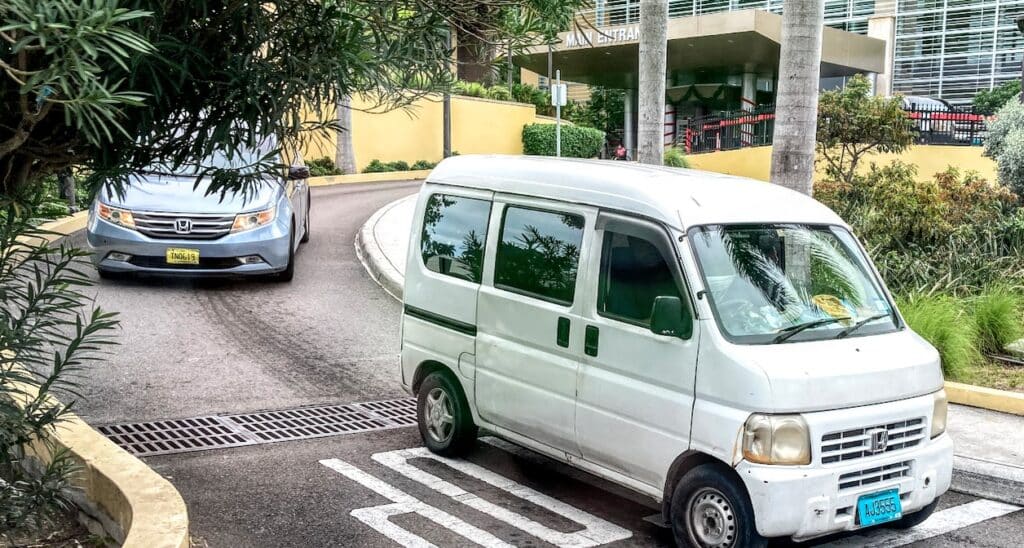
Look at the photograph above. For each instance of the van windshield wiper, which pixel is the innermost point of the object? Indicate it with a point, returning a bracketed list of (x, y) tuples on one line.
[(785, 334), (861, 323)]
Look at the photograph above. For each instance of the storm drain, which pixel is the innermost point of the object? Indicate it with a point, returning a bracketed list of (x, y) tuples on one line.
[(145, 439)]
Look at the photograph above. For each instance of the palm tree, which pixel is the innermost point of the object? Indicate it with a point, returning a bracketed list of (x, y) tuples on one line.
[(344, 154), (796, 111), (651, 96)]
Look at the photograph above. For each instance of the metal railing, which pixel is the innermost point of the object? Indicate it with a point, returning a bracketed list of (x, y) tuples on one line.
[(934, 125), (845, 14)]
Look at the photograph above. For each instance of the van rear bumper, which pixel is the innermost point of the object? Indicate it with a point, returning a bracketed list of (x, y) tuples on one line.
[(805, 502)]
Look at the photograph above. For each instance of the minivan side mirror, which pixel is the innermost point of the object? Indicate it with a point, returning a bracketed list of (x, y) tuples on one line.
[(298, 172), (668, 317)]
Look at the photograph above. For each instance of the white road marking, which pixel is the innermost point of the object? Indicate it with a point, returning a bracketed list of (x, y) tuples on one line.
[(403, 503), (940, 523), (596, 531)]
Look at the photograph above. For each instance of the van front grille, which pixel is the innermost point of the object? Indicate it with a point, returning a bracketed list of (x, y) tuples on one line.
[(186, 226), (877, 474), (857, 443)]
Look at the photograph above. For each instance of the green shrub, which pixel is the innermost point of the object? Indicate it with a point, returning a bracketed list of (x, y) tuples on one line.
[(943, 322), (499, 93), (376, 166), (675, 158), (322, 167), (423, 164), (577, 142), (997, 316), (399, 165), (475, 89), (459, 87)]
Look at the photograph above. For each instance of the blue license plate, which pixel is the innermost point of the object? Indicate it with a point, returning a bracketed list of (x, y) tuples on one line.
[(879, 507)]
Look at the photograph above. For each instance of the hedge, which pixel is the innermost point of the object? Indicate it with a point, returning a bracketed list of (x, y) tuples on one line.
[(577, 142)]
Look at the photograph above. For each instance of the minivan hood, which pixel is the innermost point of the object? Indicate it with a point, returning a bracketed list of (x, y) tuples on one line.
[(833, 374), (179, 194)]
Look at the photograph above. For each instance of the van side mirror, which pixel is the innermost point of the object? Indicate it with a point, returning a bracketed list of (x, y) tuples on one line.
[(298, 172), (669, 318)]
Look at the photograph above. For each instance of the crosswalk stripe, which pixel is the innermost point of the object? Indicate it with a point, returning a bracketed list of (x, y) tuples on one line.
[(939, 523)]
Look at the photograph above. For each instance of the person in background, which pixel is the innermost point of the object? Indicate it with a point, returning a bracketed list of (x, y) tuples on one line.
[(621, 153)]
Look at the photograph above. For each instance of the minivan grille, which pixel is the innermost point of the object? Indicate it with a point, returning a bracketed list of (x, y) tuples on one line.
[(856, 443), (877, 474), (200, 226)]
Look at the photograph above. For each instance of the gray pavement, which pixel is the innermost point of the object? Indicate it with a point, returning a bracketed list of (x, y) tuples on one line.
[(194, 349)]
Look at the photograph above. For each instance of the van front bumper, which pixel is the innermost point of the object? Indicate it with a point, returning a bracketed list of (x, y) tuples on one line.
[(804, 502)]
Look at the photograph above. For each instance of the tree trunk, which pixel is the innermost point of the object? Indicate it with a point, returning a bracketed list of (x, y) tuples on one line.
[(344, 154), (651, 95), (796, 110)]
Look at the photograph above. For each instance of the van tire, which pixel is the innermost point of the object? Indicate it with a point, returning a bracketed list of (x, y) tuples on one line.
[(441, 396), (725, 503), (915, 519), (288, 273)]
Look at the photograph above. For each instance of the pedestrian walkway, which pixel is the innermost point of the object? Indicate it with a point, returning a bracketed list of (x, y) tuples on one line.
[(989, 445)]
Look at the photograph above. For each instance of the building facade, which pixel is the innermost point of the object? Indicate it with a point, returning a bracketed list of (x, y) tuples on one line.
[(948, 49)]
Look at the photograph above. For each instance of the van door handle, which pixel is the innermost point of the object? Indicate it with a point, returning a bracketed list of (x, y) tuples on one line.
[(590, 341), (563, 333)]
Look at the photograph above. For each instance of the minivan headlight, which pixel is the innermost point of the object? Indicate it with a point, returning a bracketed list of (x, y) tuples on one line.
[(939, 413), (256, 219), (114, 215), (776, 439)]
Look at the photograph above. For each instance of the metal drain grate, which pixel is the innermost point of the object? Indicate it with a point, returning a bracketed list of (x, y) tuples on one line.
[(145, 439)]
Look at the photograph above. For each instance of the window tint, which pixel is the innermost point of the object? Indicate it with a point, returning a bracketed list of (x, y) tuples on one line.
[(539, 253), (454, 234), (633, 273)]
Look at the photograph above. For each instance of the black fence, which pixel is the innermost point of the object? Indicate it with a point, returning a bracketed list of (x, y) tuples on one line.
[(935, 125)]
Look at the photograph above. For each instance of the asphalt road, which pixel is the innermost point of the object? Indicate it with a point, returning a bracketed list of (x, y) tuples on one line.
[(330, 337)]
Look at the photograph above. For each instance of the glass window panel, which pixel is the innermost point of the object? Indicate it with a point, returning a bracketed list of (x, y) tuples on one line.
[(454, 234), (539, 253)]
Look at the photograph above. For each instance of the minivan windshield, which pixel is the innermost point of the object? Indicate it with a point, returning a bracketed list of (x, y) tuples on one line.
[(780, 283)]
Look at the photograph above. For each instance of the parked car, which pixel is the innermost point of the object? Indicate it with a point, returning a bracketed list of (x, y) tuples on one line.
[(167, 224), (720, 345), (938, 121)]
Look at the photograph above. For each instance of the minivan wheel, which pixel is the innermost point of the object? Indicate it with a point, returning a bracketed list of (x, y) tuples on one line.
[(710, 508), (288, 273), (915, 519), (446, 424), (305, 226)]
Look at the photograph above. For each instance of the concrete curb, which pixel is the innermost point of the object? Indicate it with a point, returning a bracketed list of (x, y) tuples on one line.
[(987, 479), (985, 398), (356, 178), (370, 254)]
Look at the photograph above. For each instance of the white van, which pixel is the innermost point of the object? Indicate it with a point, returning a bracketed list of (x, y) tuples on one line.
[(721, 345)]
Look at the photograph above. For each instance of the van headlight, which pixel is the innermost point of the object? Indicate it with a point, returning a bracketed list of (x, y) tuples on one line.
[(256, 219), (776, 439), (939, 413), (114, 215)]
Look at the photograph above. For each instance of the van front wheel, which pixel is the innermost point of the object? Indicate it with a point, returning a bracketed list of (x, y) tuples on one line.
[(446, 424), (710, 508)]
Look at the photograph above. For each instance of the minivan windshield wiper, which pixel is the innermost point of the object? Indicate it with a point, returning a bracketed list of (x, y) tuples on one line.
[(786, 333), (861, 323)]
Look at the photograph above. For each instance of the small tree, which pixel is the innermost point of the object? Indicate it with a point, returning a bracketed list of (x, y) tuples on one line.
[(1005, 145), (852, 124), (990, 101)]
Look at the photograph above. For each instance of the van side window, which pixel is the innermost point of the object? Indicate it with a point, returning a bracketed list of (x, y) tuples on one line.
[(454, 234), (539, 253), (633, 273)]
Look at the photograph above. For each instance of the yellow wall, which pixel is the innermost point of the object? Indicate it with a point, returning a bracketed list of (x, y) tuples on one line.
[(756, 162), (479, 126)]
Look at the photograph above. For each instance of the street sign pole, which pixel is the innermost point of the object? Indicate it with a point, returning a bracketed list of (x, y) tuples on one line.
[(558, 113)]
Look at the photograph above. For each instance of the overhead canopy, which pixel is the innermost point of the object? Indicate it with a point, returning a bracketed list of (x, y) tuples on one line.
[(731, 42)]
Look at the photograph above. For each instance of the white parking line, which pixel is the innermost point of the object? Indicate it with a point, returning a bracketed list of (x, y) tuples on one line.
[(595, 532), (403, 503), (940, 523)]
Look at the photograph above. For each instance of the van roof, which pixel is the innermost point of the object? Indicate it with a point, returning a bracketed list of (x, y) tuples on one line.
[(680, 198)]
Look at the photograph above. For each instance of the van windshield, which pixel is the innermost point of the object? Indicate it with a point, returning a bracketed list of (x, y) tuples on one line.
[(771, 284)]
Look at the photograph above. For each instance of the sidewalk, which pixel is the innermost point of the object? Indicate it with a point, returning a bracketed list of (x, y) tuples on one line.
[(989, 446)]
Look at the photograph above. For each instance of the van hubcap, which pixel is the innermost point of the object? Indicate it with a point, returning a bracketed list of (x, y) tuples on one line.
[(712, 522), (438, 416)]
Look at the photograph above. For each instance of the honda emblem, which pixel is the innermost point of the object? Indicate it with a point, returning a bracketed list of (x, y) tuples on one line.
[(183, 226), (879, 439)]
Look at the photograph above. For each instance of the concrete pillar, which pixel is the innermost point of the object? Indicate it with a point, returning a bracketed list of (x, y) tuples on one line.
[(883, 27), (748, 95), (628, 131)]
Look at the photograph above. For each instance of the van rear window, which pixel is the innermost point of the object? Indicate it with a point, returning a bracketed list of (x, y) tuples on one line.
[(539, 253), (454, 234)]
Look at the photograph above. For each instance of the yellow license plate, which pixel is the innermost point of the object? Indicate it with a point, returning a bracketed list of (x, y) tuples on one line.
[(177, 255)]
